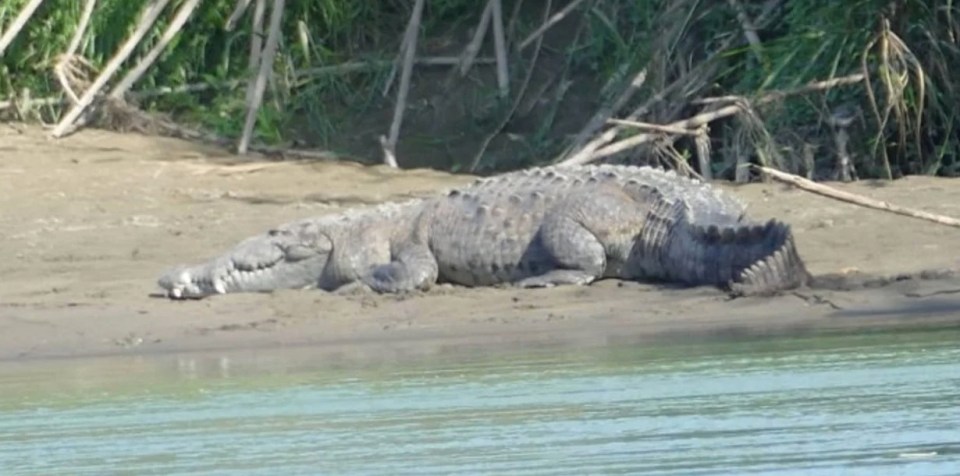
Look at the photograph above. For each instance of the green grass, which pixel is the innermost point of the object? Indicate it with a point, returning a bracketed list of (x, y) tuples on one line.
[(907, 121)]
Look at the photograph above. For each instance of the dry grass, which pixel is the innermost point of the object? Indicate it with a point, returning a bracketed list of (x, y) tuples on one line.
[(757, 53)]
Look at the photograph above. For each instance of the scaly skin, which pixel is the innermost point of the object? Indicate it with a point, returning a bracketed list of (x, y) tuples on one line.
[(325, 252), (538, 227)]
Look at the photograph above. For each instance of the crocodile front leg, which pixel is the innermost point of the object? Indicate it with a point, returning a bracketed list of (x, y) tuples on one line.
[(413, 267)]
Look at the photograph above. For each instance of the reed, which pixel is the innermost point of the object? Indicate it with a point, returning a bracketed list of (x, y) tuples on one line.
[(715, 85)]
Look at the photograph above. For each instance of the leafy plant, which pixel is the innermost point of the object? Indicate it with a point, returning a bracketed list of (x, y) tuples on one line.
[(906, 115)]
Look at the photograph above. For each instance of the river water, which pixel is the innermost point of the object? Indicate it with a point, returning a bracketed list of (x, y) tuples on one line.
[(869, 404)]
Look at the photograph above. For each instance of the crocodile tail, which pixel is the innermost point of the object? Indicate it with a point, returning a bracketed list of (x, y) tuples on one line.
[(713, 246), (710, 244), (779, 267), (746, 258)]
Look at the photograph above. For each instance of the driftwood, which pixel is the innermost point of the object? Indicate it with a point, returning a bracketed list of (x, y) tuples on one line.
[(607, 112), (553, 20), (72, 71), (132, 76), (695, 122), (691, 123), (260, 82), (514, 18), (492, 13), (777, 95), (855, 199), (702, 142), (238, 10), (582, 154), (147, 19), (500, 48), (749, 31), (18, 23), (67, 58), (409, 50), (473, 48), (409, 33), (256, 46), (654, 127)]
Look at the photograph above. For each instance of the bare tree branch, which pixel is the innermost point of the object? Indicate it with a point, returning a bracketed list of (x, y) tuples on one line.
[(855, 199)]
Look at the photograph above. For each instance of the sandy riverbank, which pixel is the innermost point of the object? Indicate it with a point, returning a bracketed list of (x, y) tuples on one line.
[(89, 222)]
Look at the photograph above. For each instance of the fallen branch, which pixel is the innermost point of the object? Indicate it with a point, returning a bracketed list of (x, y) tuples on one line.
[(855, 199), (470, 52), (777, 95), (553, 20), (18, 24), (605, 114), (69, 72), (749, 31), (654, 127), (67, 58), (699, 120), (408, 34), (256, 46), (582, 155), (260, 82), (147, 19), (238, 11), (409, 54), (389, 156), (512, 23), (500, 49), (702, 142), (132, 76), (690, 123)]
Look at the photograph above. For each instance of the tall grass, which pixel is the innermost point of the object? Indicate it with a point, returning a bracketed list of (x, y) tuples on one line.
[(906, 120), (905, 113)]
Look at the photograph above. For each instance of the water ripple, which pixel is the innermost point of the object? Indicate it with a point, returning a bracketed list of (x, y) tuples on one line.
[(822, 406)]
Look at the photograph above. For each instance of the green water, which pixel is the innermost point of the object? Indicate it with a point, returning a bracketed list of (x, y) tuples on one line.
[(879, 404)]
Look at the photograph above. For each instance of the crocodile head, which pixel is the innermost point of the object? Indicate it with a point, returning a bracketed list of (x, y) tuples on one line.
[(289, 257)]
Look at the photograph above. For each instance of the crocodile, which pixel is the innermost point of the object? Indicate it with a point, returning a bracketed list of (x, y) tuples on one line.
[(537, 227)]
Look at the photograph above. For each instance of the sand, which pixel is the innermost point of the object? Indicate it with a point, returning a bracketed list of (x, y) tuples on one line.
[(89, 222)]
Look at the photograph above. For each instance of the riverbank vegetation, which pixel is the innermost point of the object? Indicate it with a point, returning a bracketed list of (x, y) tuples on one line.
[(825, 89)]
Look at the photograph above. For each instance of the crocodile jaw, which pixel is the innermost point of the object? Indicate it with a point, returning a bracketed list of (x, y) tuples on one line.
[(289, 257), (194, 282)]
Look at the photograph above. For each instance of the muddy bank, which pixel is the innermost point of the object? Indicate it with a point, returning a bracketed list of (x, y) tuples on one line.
[(89, 222)]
